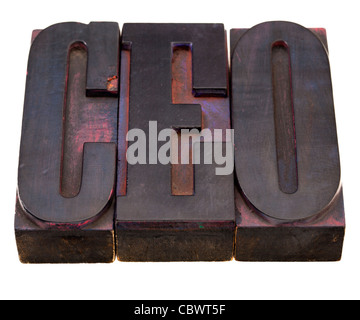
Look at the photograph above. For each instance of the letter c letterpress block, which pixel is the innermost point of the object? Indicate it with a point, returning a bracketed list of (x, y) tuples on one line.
[(67, 167), (289, 197)]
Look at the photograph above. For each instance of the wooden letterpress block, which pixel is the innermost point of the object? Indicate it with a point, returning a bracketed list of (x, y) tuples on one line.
[(289, 199), (67, 167), (173, 76)]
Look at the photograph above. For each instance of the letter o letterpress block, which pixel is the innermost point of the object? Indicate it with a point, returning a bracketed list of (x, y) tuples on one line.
[(288, 195)]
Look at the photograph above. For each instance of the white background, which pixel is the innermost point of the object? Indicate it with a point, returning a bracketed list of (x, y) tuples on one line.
[(230, 280)]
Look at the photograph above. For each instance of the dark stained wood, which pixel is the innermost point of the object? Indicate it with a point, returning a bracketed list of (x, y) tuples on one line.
[(256, 162), (259, 238), (123, 123), (182, 175), (288, 194), (152, 223), (284, 118), (84, 93), (67, 160)]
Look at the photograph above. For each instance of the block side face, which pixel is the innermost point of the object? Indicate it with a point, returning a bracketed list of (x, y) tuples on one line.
[(261, 239), (289, 244), (41, 243), (167, 245), (49, 246)]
